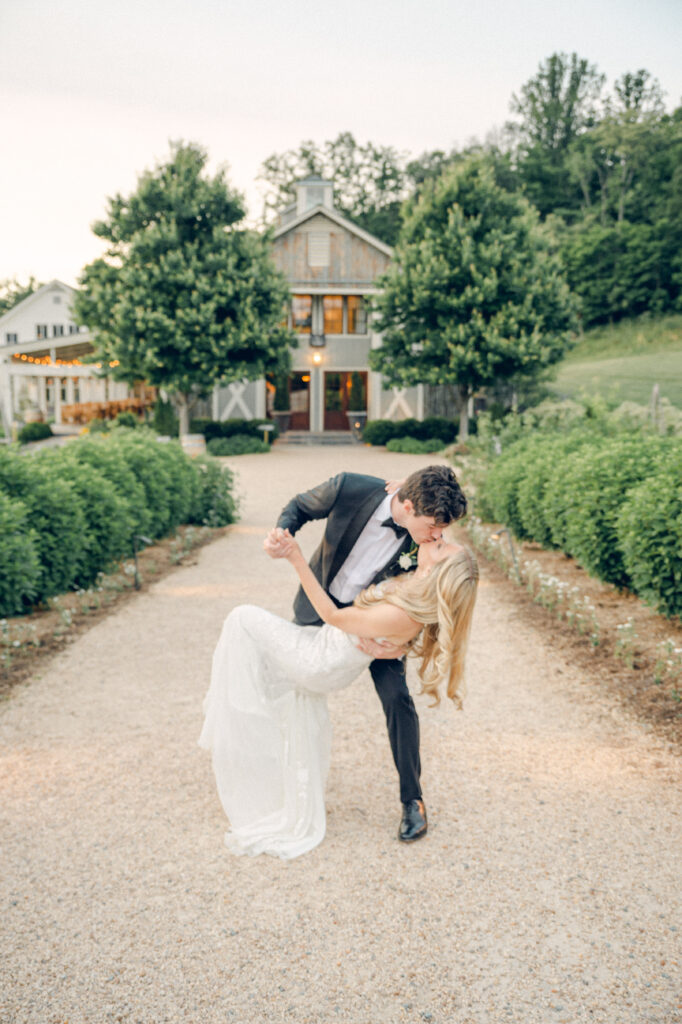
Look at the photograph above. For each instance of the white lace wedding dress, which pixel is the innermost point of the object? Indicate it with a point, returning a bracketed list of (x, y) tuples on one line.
[(267, 727)]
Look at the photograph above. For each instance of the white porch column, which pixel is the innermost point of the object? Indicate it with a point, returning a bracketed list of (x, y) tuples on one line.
[(57, 399), (260, 399), (420, 401), (42, 395), (215, 408), (70, 391), (5, 398)]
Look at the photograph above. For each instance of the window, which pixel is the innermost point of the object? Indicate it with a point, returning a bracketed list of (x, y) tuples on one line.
[(41, 330), (357, 315), (73, 329), (301, 313), (333, 314), (57, 330), (11, 338), (318, 249)]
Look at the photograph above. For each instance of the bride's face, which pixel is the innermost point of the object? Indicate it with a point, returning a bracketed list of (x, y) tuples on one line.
[(436, 551)]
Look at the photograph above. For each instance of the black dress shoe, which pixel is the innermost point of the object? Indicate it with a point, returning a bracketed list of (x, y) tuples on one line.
[(413, 823)]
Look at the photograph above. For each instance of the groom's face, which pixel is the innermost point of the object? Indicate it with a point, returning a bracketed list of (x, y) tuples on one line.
[(422, 529)]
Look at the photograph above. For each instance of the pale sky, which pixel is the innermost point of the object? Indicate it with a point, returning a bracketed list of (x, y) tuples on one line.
[(91, 92)]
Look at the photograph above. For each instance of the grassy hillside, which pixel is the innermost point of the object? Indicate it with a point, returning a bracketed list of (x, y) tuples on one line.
[(624, 361)]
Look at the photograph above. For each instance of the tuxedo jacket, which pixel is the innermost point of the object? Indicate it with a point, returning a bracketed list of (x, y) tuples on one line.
[(346, 501)]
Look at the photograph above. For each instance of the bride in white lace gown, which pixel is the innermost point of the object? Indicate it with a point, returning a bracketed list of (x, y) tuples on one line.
[(266, 719)]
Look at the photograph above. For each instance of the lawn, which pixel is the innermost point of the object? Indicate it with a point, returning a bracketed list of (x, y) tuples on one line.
[(624, 361)]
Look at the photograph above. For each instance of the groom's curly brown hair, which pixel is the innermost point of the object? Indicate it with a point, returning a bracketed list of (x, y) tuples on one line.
[(434, 491)]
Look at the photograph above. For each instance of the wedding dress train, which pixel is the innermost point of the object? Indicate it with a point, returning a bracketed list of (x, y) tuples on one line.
[(267, 727)]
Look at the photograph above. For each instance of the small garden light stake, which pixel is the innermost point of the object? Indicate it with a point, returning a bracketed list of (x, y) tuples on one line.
[(145, 540)]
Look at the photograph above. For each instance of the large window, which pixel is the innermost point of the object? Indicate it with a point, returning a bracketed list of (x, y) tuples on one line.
[(333, 314), (301, 313), (41, 330), (357, 315)]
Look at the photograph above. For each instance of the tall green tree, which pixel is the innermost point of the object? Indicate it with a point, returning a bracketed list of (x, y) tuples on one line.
[(184, 297), (369, 181), (12, 292), (554, 107), (475, 293)]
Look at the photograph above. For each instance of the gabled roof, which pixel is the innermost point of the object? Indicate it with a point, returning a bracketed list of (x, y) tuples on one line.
[(343, 222), (30, 299)]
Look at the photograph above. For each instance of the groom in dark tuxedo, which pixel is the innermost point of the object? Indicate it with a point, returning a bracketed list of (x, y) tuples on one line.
[(366, 533)]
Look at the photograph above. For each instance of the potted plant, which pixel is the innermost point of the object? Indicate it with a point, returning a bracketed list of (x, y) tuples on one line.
[(357, 405), (281, 410)]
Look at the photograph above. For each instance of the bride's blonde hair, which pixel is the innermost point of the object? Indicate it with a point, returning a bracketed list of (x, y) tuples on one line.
[(443, 601)]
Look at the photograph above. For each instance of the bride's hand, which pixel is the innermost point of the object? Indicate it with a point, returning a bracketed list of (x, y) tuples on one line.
[(393, 485), (276, 542), (280, 544)]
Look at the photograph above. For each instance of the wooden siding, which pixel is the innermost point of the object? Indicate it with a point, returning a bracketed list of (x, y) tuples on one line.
[(353, 262)]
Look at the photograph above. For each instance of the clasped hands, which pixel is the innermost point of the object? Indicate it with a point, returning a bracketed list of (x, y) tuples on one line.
[(279, 543)]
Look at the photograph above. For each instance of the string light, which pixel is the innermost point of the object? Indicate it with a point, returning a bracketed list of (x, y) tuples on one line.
[(47, 361)]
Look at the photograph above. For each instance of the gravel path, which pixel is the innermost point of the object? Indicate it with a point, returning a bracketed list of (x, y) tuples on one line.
[(546, 891)]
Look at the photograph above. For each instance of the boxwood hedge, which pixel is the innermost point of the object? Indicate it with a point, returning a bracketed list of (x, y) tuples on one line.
[(66, 514), (612, 502)]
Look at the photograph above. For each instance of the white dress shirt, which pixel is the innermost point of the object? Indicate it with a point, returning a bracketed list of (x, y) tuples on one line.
[(369, 554)]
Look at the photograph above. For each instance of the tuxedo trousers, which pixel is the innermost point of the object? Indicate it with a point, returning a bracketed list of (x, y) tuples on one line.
[(402, 723)]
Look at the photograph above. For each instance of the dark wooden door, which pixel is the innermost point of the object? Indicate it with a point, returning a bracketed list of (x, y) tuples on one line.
[(337, 385)]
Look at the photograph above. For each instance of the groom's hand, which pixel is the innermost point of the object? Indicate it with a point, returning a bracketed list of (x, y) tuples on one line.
[(380, 649)]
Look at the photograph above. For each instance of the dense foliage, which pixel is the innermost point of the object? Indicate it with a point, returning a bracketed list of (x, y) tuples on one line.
[(606, 493), (228, 428), (183, 298), (603, 165), (475, 292), (380, 432), (34, 432), (237, 444), (68, 514)]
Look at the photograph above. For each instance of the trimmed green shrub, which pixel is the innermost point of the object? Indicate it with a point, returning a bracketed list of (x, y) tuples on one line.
[(214, 503), (649, 530), (69, 513), (54, 513), (34, 432), (544, 457), (100, 426), (499, 494), (106, 456), (110, 523), (19, 558), (228, 428), (179, 467), (605, 474), (143, 455), (238, 444), (127, 419), (164, 420), (380, 432), (414, 447)]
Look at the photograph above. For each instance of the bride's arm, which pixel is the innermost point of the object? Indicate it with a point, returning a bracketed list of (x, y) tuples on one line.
[(379, 620)]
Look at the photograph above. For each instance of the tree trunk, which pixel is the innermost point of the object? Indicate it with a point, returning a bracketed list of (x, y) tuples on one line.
[(182, 403)]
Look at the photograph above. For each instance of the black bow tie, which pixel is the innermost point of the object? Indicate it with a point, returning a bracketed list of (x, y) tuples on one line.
[(399, 531)]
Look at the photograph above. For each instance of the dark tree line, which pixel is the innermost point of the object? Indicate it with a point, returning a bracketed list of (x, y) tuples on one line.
[(604, 166)]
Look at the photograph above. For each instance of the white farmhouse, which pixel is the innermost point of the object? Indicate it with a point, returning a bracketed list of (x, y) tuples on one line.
[(42, 373)]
